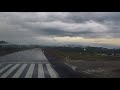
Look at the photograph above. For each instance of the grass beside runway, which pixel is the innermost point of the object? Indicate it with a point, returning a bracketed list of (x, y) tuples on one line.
[(88, 65), (72, 54)]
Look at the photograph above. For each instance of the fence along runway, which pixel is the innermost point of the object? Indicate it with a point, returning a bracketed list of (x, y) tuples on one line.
[(16, 70)]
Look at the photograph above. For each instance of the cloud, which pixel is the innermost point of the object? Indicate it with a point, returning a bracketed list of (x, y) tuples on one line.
[(22, 27)]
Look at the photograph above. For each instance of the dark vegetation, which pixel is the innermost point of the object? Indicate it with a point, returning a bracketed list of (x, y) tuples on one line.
[(79, 53), (8, 49)]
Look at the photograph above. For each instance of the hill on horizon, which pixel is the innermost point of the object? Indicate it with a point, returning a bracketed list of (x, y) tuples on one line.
[(3, 42)]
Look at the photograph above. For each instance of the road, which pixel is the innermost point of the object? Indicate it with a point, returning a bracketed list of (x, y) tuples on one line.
[(26, 64)]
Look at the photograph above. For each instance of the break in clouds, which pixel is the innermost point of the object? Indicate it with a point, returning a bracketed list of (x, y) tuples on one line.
[(60, 28)]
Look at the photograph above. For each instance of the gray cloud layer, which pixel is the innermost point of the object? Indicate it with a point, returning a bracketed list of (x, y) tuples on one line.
[(22, 27)]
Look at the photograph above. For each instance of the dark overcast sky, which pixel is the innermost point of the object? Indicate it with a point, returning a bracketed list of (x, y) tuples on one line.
[(59, 28)]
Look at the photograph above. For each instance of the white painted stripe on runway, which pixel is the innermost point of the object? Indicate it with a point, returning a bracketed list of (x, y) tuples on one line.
[(51, 71), (18, 73), (4, 68), (30, 71), (10, 71), (40, 71)]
